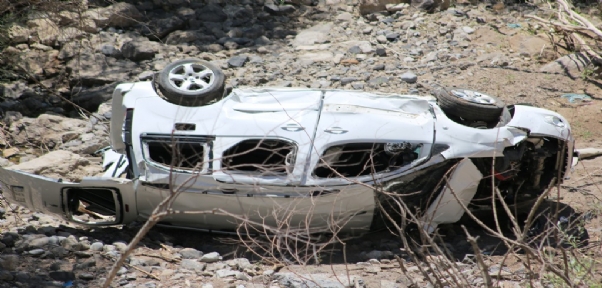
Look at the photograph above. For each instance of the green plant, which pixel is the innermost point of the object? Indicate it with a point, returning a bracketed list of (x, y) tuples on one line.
[(580, 268), (587, 72)]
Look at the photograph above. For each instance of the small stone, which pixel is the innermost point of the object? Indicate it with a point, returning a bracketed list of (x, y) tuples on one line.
[(379, 67), (22, 276), (80, 254), (86, 276), (192, 264), (238, 61), (120, 246), (381, 39), (355, 50), (146, 75), (97, 246), (357, 86), (10, 262), (39, 242), (190, 253), (382, 52), (6, 275), (9, 152), (392, 36), (122, 271), (223, 273), (409, 77), (268, 272), (372, 269), (36, 252), (211, 257), (62, 276), (468, 30), (347, 80)]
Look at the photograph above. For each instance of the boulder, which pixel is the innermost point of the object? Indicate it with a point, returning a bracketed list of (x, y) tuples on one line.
[(162, 27), (530, 45), (40, 63), (572, 65), (181, 37), (239, 15), (13, 90), (90, 98), (120, 14), (48, 130), (18, 34), (44, 30), (139, 50), (97, 69), (372, 6), (211, 13), (317, 34), (56, 164)]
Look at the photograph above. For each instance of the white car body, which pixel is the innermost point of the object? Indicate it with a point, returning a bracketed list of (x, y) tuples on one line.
[(304, 123)]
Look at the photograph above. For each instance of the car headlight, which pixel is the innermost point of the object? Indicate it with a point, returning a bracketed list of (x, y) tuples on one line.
[(556, 121)]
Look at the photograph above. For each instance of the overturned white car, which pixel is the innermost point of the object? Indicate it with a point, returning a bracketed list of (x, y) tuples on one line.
[(310, 158)]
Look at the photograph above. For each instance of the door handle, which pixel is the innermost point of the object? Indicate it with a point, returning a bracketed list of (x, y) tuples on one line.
[(336, 130), (292, 128)]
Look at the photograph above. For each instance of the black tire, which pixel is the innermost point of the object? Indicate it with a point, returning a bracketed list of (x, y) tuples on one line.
[(456, 106), (205, 83)]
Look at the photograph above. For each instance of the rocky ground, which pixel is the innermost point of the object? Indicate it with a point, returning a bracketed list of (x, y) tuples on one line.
[(80, 53)]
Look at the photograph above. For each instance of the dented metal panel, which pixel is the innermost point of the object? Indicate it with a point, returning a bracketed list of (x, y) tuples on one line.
[(449, 205)]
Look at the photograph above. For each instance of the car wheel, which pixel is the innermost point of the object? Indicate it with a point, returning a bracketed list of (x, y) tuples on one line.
[(469, 105), (190, 82)]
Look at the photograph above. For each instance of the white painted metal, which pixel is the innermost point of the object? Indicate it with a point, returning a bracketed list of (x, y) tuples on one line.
[(449, 205)]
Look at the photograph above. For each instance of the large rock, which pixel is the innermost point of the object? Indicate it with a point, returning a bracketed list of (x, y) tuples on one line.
[(431, 5), (181, 37), (161, 27), (18, 34), (278, 10), (372, 6), (530, 45), (239, 15), (97, 69), (117, 15), (48, 32), (48, 130), (211, 13), (572, 65), (13, 90), (44, 30), (318, 56), (139, 50), (41, 63), (56, 164), (90, 98), (317, 34)]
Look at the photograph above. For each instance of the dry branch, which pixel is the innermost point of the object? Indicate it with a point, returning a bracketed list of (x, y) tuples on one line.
[(574, 26)]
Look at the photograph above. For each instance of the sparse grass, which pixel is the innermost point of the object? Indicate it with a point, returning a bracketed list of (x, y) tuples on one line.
[(587, 72), (580, 267)]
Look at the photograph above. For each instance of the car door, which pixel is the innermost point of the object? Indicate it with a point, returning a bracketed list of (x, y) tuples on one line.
[(356, 129), (264, 135)]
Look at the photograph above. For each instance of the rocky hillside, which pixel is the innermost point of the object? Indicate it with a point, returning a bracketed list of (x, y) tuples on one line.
[(65, 63)]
